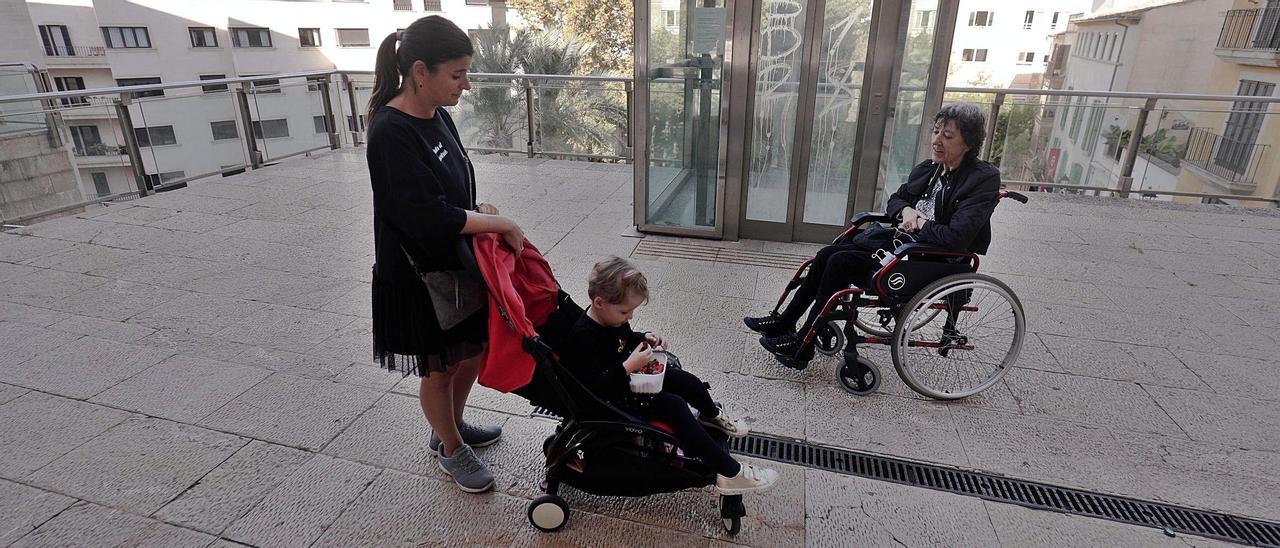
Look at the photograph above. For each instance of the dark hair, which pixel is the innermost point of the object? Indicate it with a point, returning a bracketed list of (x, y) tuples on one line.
[(433, 40), (969, 120)]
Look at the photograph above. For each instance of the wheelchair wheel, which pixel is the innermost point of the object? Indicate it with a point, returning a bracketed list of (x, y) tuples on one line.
[(830, 339), (860, 378), (869, 322), (973, 346)]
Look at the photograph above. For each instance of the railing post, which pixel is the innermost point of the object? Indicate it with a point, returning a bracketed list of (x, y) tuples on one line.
[(131, 143), (355, 113), (528, 101), (630, 152), (991, 125), (246, 123), (1131, 153), (335, 141)]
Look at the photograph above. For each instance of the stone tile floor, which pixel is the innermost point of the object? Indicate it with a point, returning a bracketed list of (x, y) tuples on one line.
[(192, 369)]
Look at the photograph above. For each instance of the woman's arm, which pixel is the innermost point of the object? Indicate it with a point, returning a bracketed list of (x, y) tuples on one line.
[(480, 222), (971, 214)]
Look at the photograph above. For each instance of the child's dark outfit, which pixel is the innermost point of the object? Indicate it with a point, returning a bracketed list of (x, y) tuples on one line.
[(595, 355)]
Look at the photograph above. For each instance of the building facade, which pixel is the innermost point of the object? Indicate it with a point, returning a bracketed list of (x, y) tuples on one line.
[(1002, 43)]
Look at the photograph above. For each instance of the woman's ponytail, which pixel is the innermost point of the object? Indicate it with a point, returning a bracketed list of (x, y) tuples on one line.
[(386, 76)]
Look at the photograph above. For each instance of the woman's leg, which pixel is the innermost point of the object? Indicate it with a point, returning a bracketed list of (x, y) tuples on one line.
[(843, 268), (808, 291), (694, 439), (435, 394), (463, 379), (691, 389)]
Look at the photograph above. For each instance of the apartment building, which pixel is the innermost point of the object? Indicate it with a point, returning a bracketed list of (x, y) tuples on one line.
[(1002, 43), (1232, 150), (1162, 47), (193, 132)]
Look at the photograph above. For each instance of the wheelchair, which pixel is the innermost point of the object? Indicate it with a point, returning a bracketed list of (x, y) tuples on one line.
[(952, 332)]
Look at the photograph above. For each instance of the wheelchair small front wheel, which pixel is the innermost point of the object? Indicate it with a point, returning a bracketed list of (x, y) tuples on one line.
[(976, 340), (859, 377), (830, 339)]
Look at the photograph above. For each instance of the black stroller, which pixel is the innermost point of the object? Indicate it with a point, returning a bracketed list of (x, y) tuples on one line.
[(602, 449)]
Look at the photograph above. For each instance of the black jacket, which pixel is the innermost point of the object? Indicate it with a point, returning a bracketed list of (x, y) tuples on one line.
[(962, 218), (595, 353), (417, 202)]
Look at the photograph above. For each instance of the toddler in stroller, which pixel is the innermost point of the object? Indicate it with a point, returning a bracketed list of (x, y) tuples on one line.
[(602, 351)]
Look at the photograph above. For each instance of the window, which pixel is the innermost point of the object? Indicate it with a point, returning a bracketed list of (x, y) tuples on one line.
[(1066, 112), (68, 83), (1095, 127), (431, 5), (1111, 48), (975, 55), (671, 17), (270, 129), (315, 83), (215, 87), (88, 141), (1029, 19), (1053, 23), (155, 136), (1046, 58), (100, 186), (203, 37), (924, 18), (980, 18), (224, 130), (126, 37), (321, 123), (141, 82), (351, 123), (1075, 120), (309, 38), (250, 37), (477, 2), (353, 38), (1026, 57), (57, 40), (271, 85), (402, 5), (1240, 136), (154, 180)]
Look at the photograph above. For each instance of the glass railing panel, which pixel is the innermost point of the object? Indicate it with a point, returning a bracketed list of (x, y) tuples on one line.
[(493, 116), (188, 133), (288, 117), (580, 119)]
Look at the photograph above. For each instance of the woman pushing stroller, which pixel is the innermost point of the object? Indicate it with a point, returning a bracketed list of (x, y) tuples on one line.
[(603, 351)]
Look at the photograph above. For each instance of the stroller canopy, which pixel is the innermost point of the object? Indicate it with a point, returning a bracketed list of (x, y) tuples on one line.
[(522, 294)]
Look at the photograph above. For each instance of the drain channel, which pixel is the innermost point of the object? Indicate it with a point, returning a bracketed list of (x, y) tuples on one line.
[(1030, 494), (1013, 491)]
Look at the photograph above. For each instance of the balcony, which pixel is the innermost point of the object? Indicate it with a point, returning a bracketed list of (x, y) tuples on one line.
[(75, 56), (1225, 162), (101, 154), (1251, 37)]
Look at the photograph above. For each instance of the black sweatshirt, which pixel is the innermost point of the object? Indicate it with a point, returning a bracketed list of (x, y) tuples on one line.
[(594, 354)]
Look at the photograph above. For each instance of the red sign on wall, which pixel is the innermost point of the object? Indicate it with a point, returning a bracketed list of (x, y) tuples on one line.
[(1051, 164)]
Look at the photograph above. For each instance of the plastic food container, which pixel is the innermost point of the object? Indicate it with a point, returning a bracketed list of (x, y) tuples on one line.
[(643, 383)]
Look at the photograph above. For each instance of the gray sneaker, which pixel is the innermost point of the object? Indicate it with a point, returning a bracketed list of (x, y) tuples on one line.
[(467, 470), (475, 436)]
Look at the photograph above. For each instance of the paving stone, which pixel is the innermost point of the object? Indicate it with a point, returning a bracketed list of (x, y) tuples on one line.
[(42, 287), (352, 343), (191, 221), (37, 428), (87, 524), (132, 214), (1232, 375), (306, 503), (103, 329), (198, 313), (293, 411), (38, 316), (852, 511), (765, 406), (115, 300), (1018, 526), (884, 424), (391, 434), (591, 530), (182, 388), (139, 465), (20, 342), (1120, 361), (16, 249), (286, 328), (83, 258), (369, 375), (283, 361), (517, 462), (184, 202), (1071, 397), (9, 393), (177, 341), (234, 487), (83, 367), (357, 302), (25, 508), (1208, 475), (9, 271), (481, 397), (1222, 419), (154, 240)]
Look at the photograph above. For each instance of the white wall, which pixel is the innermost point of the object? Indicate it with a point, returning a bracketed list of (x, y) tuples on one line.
[(1006, 38)]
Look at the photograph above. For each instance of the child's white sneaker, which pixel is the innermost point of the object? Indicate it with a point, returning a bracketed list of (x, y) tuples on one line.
[(749, 480), (728, 424)]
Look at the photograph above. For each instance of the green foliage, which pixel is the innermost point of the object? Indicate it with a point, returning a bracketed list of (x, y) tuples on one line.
[(604, 29)]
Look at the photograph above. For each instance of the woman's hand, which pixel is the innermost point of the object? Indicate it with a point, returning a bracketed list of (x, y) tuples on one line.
[(655, 341), (487, 209), (638, 358), (911, 220), (512, 235)]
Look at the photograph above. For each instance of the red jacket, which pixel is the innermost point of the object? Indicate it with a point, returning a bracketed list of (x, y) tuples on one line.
[(522, 293)]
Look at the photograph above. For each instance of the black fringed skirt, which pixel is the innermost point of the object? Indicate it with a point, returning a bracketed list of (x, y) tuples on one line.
[(407, 338)]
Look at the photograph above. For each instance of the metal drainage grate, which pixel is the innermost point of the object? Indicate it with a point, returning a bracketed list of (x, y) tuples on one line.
[(1024, 493), (543, 413)]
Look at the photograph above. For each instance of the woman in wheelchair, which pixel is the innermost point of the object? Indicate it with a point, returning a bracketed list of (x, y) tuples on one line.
[(946, 203)]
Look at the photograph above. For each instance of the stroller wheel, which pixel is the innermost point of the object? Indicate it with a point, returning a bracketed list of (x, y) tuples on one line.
[(732, 525), (548, 513), (860, 377)]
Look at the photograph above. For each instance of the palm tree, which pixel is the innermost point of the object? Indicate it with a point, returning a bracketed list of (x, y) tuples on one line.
[(571, 116), (497, 107)]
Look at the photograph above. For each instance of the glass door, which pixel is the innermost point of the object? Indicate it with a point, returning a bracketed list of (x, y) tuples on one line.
[(680, 66)]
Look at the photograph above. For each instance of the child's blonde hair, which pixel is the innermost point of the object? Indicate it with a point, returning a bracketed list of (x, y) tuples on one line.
[(614, 279)]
